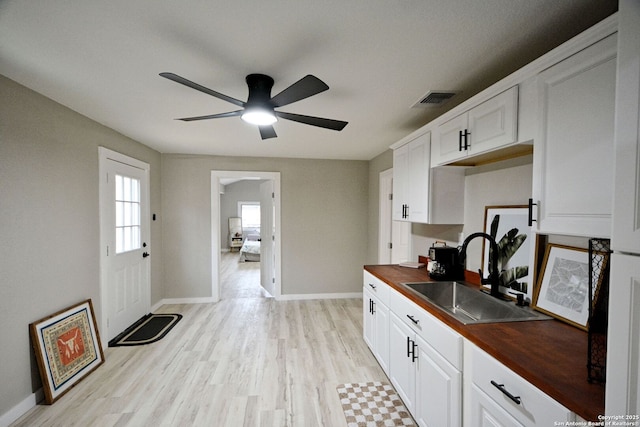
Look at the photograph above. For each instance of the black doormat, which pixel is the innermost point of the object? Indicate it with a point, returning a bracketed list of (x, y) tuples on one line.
[(150, 328)]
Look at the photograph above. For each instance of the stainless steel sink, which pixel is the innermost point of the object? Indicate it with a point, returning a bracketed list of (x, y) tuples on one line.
[(470, 305)]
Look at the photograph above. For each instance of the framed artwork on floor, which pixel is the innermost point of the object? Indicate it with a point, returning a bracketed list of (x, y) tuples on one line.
[(67, 348)]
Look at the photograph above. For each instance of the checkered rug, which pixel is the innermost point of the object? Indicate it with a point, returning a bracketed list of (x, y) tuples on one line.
[(373, 404)]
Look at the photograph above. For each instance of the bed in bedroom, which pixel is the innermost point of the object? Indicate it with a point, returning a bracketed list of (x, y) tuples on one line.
[(250, 250)]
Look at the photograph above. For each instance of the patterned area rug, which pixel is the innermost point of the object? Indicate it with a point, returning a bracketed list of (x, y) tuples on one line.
[(373, 404)]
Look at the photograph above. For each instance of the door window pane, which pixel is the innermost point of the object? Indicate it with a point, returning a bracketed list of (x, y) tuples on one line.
[(127, 213)]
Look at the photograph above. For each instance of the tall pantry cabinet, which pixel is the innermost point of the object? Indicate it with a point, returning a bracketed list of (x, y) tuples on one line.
[(623, 357)]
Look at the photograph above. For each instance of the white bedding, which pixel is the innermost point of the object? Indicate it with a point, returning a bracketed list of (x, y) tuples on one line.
[(250, 251)]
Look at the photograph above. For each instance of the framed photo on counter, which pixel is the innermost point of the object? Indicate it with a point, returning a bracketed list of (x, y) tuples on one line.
[(563, 286)]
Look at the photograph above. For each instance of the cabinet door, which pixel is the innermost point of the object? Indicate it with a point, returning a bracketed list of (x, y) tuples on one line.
[(623, 364), (438, 389), (401, 365), (368, 320), (419, 167), (446, 144), (626, 221), (486, 413), (400, 182), (494, 123), (573, 155), (381, 331)]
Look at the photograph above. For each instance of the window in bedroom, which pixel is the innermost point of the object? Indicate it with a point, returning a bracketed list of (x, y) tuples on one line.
[(250, 214)]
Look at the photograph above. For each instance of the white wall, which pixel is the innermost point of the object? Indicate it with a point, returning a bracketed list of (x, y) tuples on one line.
[(502, 183), (49, 224)]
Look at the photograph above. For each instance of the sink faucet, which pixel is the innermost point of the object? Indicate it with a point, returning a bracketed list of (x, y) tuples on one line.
[(494, 275)]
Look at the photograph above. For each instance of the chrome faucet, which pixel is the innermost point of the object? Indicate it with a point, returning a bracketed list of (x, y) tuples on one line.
[(494, 275)]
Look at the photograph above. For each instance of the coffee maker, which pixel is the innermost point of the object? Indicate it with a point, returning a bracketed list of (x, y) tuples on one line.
[(446, 263)]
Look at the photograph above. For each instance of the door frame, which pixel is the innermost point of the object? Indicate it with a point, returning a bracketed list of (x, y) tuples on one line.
[(105, 155), (216, 237), (384, 215)]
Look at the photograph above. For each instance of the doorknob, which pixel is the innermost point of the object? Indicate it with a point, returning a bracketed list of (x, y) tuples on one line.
[(145, 254)]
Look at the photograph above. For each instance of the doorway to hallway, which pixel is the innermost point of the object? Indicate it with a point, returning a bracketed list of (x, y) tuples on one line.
[(225, 264)]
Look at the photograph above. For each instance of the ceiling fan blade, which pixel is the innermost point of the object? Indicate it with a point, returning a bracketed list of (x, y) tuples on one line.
[(313, 121), (267, 132), (305, 87), (212, 116), (176, 78)]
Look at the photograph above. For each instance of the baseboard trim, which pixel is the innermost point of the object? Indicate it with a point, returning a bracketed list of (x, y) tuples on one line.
[(13, 414), (341, 295), (167, 301)]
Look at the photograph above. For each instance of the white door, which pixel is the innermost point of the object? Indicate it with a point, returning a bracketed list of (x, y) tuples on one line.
[(394, 237), (125, 249), (267, 237)]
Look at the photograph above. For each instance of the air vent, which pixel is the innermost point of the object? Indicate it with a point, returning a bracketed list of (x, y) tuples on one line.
[(434, 98)]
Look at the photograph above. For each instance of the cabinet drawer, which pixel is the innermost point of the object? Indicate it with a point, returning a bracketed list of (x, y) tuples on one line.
[(377, 287), (535, 407), (443, 339)]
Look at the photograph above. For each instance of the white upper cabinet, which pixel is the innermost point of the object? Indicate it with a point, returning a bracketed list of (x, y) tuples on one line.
[(573, 153), (490, 125), (422, 194), (626, 221)]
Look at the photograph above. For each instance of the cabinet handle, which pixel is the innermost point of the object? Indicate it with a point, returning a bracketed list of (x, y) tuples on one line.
[(504, 391), (531, 205), (411, 349), (373, 307), (413, 319), (466, 139), (372, 285), (405, 211)]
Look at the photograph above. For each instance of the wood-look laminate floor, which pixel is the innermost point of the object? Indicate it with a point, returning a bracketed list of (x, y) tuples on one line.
[(245, 361)]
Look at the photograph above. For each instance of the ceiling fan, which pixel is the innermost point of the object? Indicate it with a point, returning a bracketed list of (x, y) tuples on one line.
[(260, 106)]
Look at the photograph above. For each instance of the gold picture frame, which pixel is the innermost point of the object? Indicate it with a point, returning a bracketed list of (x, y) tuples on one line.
[(67, 348)]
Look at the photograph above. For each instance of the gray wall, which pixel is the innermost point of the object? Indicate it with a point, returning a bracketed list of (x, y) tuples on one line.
[(49, 223), (324, 216)]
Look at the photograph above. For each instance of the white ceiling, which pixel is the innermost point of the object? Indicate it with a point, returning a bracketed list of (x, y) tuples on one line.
[(102, 59)]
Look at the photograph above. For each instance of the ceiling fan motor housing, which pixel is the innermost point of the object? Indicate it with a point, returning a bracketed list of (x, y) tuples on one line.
[(259, 91)]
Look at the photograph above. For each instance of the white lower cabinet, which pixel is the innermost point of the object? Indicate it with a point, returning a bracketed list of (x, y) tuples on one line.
[(485, 412), (500, 397), (376, 318), (443, 379), (438, 389), (402, 358), (427, 382)]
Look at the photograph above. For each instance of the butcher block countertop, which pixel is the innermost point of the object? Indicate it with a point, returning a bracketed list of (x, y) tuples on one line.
[(549, 354)]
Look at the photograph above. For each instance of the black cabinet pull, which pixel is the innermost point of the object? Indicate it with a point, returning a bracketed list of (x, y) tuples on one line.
[(466, 139), (460, 141), (531, 205), (405, 211), (411, 349), (372, 285), (373, 307), (413, 319), (504, 391)]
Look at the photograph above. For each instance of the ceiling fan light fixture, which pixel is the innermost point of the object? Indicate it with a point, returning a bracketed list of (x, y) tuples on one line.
[(259, 116)]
